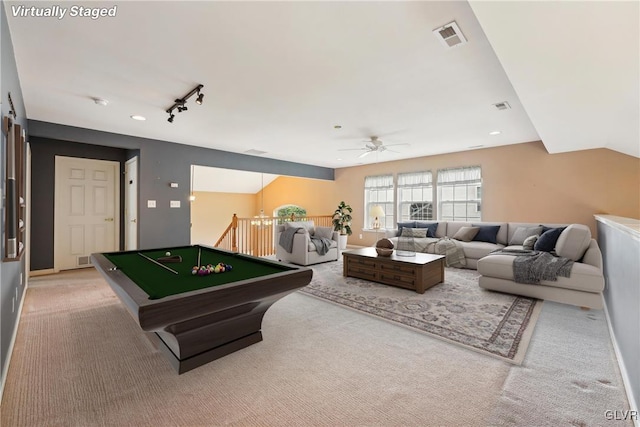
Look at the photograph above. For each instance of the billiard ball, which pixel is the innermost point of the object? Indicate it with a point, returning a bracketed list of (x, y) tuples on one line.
[(168, 254)]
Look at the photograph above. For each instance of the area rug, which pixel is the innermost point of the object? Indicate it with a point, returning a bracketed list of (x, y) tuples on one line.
[(457, 310)]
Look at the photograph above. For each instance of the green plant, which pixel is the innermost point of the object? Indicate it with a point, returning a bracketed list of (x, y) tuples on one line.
[(342, 219)]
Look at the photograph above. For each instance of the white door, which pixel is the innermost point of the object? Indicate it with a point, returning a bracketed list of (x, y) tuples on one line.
[(131, 204), (86, 209)]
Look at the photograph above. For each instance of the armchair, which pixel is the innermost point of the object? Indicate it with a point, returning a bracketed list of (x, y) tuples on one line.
[(304, 251)]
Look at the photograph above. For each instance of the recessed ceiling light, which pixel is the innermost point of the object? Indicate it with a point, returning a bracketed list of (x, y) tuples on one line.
[(339, 159), (495, 132), (136, 117), (100, 101)]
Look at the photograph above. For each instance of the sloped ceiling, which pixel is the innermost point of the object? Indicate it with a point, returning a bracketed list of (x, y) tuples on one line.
[(575, 67)]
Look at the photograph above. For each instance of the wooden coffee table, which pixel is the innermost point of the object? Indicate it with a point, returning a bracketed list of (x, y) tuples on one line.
[(418, 272)]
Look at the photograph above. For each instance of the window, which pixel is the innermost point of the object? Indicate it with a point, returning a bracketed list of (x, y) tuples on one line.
[(378, 191), (460, 194), (415, 196)]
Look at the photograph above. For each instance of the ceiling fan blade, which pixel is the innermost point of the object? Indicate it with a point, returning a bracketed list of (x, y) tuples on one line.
[(364, 154), (395, 145), (352, 149)]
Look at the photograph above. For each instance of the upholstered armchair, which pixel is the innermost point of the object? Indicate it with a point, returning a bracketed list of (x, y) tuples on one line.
[(306, 242)]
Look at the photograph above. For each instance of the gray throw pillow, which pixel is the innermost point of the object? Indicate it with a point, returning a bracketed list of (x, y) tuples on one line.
[(522, 233), (529, 242), (466, 234), (414, 232), (326, 232)]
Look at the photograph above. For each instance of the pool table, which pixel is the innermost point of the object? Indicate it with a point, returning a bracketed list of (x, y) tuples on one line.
[(195, 319)]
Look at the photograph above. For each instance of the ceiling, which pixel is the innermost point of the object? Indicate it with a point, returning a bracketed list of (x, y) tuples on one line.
[(279, 76)]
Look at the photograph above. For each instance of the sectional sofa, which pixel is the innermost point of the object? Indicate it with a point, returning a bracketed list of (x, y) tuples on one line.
[(583, 288)]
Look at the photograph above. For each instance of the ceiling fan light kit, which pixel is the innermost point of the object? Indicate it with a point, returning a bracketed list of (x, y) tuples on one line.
[(374, 145)]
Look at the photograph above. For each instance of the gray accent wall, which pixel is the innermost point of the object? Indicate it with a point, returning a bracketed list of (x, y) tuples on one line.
[(11, 286), (160, 164), (43, 154), (621, 255)]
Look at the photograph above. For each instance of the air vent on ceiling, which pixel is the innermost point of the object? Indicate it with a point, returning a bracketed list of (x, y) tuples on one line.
[(450, 35), (504, 105), (254, 152)]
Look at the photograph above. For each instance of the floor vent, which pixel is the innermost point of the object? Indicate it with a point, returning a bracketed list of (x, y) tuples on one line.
[(84, 260), (450, 35)]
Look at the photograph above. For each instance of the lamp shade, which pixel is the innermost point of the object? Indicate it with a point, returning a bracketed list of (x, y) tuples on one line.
[(377, 211)]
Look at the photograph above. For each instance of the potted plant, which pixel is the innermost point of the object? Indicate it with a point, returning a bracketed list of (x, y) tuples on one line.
[(342, 223)]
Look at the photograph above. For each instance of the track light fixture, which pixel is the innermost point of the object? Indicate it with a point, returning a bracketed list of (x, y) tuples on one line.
[(180, 103)]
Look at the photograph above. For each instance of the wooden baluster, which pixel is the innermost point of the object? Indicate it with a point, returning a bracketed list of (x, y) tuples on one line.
[(234, 227)]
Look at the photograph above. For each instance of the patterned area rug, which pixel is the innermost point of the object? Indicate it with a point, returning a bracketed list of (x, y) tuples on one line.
[(457, 310)]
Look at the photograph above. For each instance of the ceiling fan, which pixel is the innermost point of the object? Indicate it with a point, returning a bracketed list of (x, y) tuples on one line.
[(373, 145)]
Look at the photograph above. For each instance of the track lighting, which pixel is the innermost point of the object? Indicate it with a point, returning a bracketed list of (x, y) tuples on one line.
[(180, 103)]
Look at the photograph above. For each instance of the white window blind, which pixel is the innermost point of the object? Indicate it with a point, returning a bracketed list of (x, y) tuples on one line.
[(379, 191), (460, 194), (415, 196)]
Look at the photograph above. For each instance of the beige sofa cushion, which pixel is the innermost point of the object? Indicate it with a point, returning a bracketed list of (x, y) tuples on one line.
[(573, 241), (583, 277), (308, 226), (522, 233)]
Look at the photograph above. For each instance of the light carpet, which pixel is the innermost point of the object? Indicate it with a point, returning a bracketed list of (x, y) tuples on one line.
[(81, 360), (457, 310)]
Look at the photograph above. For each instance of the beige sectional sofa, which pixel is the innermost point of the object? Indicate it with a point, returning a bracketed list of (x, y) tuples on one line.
[(583, 288)]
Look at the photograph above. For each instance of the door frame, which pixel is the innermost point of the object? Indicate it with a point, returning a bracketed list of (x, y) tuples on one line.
[(116, 183), (128, 192)]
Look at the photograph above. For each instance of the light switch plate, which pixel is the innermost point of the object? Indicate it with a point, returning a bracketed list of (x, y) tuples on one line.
[(151, 203), (174, 185), (175, 203)]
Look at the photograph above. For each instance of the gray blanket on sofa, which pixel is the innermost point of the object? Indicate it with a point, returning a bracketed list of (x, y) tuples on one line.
[(322, 244), (286, 238), (532, 267), (451, 249)]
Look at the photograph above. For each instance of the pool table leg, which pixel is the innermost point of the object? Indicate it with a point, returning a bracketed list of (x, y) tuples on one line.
[(182, 366)]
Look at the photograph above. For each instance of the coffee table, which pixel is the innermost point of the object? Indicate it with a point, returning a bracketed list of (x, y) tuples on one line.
[(418, 272)]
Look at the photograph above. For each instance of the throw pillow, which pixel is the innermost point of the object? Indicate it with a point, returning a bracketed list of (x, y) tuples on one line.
[(529, 242), (573, 242), (409, 224), (414, 232), (522, 233), (547, 240), (430, 226), (466, 234), (326, 232), (487, 233)]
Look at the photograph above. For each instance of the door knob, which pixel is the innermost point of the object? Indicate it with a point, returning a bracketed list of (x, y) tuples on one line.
[(134, 220)]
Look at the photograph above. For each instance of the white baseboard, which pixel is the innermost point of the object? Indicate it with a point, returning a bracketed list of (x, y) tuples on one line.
[(5, 371), (35, 273), (623, 370)]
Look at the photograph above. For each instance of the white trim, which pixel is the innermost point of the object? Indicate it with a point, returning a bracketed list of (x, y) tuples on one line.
[(5, 371), (44, 272), (628, 226), (623, 370)]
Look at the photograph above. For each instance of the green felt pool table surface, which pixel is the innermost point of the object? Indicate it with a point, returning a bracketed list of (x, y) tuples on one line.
[(159, 282)]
